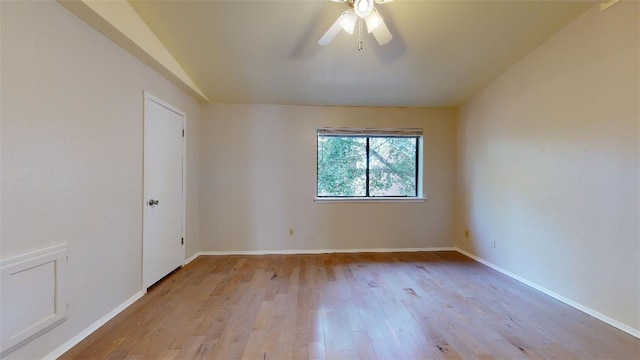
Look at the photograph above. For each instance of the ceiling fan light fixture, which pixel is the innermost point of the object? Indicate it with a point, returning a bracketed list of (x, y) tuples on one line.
[(348, 21), (373, 20), (363, 7)]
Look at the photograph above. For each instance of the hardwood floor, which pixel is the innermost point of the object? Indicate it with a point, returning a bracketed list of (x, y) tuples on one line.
[(348, 306)]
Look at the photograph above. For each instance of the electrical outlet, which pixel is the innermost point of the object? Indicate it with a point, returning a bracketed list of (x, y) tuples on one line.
[(290, 232), (493, 243)]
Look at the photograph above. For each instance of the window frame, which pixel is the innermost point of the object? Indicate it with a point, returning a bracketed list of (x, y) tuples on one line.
[(369, 133)]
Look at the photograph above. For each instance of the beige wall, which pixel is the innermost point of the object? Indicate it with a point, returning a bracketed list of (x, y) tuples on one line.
[(72, 157), (258, 180), (549, 165)]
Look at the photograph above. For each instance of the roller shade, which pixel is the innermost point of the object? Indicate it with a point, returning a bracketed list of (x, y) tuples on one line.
[(339, 131)]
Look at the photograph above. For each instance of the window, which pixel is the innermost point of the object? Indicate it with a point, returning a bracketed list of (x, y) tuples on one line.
[(368, 163)]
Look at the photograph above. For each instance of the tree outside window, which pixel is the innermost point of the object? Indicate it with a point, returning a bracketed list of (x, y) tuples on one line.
[(367, 166)]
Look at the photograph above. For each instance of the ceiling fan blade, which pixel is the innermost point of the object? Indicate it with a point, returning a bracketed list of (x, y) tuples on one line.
[(382, 33), (331, 33), (346, 21)]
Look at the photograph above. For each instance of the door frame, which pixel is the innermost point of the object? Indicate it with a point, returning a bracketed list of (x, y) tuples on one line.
[(149, 97)]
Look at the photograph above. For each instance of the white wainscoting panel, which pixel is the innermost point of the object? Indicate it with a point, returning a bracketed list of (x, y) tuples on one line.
[(32, 295)]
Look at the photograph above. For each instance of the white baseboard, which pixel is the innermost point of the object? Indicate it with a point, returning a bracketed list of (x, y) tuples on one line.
[(615, 323), (93, 327), (193, 257), (319, 251)]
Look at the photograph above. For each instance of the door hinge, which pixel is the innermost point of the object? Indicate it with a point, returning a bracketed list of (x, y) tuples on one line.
[(182, 132), (181, 241)]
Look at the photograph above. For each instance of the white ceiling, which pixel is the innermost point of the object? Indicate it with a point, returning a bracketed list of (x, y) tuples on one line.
[(265, 51)]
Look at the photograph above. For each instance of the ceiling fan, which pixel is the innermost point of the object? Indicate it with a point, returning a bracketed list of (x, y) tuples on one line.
[(359, 10)]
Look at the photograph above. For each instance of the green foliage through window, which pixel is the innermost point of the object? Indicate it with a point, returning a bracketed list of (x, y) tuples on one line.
[(367, 166)]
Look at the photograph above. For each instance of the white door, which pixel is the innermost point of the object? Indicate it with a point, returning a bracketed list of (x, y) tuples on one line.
[(163, 241)]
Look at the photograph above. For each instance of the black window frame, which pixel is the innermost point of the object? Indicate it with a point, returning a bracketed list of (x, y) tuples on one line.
[(376, 133)]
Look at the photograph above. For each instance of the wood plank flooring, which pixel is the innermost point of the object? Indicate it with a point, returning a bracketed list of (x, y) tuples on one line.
[(439, 305)]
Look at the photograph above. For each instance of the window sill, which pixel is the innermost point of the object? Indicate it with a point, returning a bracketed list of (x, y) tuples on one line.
[(369, 200)]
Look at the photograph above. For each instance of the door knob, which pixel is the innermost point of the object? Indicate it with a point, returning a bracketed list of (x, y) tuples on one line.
[(153, 202)]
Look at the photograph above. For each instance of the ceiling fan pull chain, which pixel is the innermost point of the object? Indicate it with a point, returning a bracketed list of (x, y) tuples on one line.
[(360, 34)]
